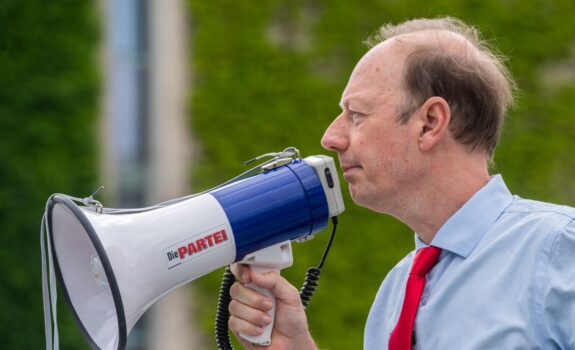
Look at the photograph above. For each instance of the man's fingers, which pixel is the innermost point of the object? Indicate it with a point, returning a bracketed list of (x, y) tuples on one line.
[(242, 272), (239, 325), (256, 317), (250, 297), (249, 310), (278, 285)]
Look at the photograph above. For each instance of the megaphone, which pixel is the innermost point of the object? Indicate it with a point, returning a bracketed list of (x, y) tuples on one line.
[(113, 264)]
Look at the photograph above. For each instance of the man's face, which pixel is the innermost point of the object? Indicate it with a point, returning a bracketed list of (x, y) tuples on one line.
[(377, 154)]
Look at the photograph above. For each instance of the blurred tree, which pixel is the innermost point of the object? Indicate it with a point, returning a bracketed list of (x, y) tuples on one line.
[(48, 107), (270, 74)]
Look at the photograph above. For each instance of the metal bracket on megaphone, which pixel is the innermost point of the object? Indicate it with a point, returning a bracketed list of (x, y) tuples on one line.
[(284, 157), (287, 156), (91, 202)]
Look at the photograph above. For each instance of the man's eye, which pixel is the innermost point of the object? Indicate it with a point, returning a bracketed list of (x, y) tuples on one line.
[(356, 116)]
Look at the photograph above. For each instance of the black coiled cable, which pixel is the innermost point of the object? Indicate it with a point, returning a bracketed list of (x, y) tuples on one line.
[(306, 292), (309, 285), (223, 313), (312, 276)]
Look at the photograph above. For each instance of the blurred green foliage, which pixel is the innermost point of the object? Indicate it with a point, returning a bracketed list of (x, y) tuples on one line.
[(48, 104), (269, 74)]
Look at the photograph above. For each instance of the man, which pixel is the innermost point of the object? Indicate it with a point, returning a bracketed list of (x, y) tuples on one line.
[(421, 118)]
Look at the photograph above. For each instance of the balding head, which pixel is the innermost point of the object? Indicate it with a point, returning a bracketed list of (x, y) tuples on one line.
[(445, 57)]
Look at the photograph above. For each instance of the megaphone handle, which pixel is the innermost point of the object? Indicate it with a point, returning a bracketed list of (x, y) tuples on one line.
[(265, 337), (272, 258)]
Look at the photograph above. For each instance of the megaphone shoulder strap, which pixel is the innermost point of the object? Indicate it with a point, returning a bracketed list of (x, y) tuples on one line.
[(49, 292)]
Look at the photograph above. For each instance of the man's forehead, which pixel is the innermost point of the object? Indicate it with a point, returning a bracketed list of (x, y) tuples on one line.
[(390, 48), (383, 63), (381, 68), (377, 74)]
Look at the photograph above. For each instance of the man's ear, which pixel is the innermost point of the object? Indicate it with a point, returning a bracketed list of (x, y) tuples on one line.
[(434, 116)]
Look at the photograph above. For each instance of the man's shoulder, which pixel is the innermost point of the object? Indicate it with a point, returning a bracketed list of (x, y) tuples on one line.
[(533, 210), (532, 225)]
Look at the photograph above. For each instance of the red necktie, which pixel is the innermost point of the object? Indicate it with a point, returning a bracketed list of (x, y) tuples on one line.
[(424, 260)]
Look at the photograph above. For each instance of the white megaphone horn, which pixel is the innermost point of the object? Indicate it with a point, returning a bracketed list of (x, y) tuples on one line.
[(113, 264)]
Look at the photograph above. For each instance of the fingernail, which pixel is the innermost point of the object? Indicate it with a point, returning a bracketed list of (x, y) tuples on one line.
[(267, 305), (267, 320)]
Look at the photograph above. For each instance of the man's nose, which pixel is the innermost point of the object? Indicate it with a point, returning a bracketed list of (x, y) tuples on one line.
[(335, 137)]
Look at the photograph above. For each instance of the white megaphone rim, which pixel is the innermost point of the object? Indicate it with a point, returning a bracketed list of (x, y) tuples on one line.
[(115, 290)]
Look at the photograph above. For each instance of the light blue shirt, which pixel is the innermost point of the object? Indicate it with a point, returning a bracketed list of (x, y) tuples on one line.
[(505, 279)]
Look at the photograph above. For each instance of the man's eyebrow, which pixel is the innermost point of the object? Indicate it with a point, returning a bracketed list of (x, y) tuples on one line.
[(357, 103)]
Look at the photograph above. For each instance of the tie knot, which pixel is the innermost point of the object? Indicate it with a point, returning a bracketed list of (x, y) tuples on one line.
[(425, 259)]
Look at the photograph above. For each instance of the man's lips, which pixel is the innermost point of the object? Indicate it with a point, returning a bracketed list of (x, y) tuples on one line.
[(347, 169)]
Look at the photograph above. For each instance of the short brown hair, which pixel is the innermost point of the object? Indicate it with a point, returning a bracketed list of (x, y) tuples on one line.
[(476, 85)]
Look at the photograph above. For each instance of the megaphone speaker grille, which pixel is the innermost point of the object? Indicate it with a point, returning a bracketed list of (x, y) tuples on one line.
[(85, 276)]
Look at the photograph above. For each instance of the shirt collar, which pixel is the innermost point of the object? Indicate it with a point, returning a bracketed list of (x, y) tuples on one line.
[(464, 229)]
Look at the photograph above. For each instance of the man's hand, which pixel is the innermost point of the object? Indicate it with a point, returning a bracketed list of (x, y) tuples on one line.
[(248, 311)]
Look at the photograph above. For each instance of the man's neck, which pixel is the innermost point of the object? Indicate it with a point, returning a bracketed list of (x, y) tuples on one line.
[(440, 196)]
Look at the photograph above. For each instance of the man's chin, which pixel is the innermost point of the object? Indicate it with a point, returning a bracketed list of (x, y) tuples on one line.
[(364, 198), (356, 195)]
